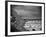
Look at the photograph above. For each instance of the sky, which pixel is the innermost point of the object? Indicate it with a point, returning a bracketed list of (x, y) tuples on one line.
[(28, 11)]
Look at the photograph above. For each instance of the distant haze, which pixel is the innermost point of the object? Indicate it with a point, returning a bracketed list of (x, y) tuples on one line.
[(29, 11)]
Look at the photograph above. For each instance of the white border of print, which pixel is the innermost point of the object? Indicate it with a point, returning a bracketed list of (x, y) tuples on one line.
[(31, 32)]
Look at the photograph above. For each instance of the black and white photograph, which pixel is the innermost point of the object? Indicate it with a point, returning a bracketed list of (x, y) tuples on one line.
[(25, 18)]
